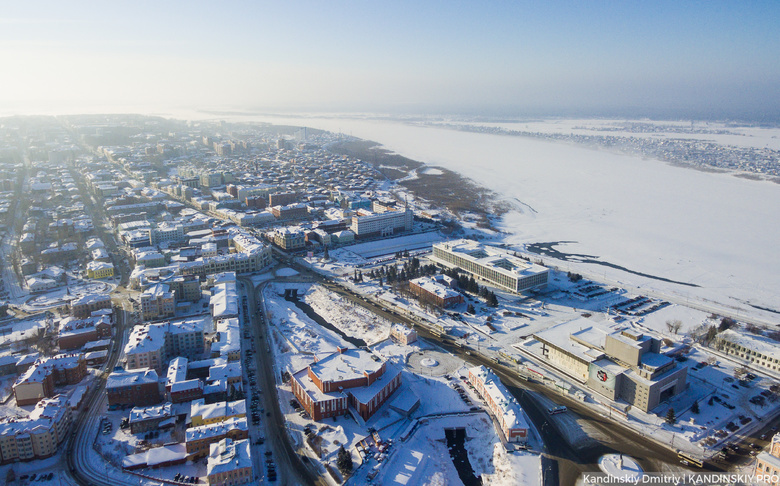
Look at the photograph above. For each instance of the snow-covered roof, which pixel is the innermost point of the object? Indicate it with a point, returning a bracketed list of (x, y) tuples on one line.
[(216, 430), (186, 385), (155, 456), (228, 455), (754, 342), (90, 299), (497, 259), (225, 371), (210, 411), (224, 300), (46, 413), (347, 365), (177, 370), (402, 330), (139, 414), (124, 378), (568, 336), (432, 286), (511, 413), (364, 394)]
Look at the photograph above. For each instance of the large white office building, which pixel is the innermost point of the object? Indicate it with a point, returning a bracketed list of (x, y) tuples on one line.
[(496, 266)]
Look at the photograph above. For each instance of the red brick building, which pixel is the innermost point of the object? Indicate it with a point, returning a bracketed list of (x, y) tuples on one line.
[(348, 379), (135, 387), (76, 333), (435, 292)]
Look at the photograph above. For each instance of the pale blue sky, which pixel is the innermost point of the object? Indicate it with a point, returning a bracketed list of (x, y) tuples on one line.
[(445, 56)]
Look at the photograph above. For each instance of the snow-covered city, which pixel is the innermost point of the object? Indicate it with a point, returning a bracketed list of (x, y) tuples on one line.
[(232, 303)]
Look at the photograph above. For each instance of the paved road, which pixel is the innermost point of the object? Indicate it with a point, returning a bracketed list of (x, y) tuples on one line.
[(565, 462), (86, 425), (292, 469)]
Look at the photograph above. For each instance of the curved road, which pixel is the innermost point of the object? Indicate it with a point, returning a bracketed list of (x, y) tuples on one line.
[(564, 462)]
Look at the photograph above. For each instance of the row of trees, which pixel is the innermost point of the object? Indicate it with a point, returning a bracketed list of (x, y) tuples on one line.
[(411, 270), (467, 283)]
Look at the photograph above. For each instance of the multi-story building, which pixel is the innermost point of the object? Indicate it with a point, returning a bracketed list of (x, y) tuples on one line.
[(494, 265), (348, 379), (229, 463), (157, 302), (34, 385), (76, 333), (198, 439), (224, 301), (768, 463), (289, 238), (227, 340), (402, 334), (430, 290), (756, 349), (501, 403), (83, 306), (290, 211), (210, 179), (38, 381), (282, 199), (202, 413), (98, 270), (185, 288), (150, 345), (614, 360), (165, 233), (39, 434), (149, 259), (178, 388), (144, 419), (136, 387), (366, 224)]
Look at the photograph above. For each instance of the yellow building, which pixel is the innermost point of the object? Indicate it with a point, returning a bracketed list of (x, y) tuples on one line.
[(202, 413), (97, 270)]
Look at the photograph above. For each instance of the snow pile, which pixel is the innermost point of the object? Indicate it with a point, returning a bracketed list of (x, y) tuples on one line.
[(623, 467)]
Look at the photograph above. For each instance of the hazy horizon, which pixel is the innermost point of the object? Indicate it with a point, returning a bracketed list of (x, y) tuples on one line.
[(708, 60)]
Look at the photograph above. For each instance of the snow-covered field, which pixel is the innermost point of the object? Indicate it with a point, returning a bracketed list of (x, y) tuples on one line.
[(354, 320), (708, 229)]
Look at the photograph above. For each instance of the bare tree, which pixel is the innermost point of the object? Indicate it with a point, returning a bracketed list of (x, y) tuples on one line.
[(740, 372), (676, 325)]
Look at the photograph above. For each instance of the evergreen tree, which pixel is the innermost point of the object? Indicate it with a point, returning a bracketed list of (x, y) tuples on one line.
[(326, 255), (470, 309), (695, 407), (671, 418), (344, 460), (493, 300)]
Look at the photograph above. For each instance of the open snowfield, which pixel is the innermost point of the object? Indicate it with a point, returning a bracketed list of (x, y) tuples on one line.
[(707, 229)]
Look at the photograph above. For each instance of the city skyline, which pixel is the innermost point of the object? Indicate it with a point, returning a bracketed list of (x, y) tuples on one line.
[(700, 60)]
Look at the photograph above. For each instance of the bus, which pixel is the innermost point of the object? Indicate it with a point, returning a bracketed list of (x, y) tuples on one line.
[(689, 460), (558, 409)]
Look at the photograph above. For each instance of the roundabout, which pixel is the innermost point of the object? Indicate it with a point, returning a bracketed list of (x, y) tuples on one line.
[(623, 468), (431, 362)]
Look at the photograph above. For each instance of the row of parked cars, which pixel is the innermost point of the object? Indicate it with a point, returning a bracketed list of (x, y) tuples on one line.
[(185, 479), (37, 477)]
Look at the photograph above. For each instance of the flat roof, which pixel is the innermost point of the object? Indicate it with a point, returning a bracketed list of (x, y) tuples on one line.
[(348, 365), (498, 259)]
